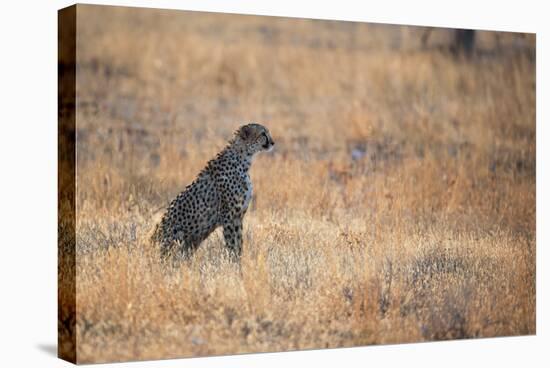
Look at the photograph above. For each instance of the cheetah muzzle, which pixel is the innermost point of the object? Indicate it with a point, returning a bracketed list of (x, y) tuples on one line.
[(219, 196)]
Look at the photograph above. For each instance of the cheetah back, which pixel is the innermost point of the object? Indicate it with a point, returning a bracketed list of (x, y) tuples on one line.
[(193, 214)]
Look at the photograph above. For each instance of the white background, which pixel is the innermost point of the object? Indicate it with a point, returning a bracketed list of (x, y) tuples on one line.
[(28, 181)]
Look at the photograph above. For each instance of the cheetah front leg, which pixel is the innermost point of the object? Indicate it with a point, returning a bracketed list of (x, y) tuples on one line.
[(232, 233)]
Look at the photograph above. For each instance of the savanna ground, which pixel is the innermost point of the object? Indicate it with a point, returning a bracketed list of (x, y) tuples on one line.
[(397, 206)]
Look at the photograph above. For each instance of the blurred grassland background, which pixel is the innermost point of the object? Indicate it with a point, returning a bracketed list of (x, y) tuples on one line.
[(397, 206)]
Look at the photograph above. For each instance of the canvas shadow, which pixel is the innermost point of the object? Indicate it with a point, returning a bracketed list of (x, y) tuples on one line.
[(50, 349)]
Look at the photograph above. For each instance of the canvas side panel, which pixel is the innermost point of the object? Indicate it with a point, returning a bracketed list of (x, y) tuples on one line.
[(66, 272)]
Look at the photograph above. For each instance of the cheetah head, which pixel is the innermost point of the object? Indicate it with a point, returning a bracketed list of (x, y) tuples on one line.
[(255, 138)]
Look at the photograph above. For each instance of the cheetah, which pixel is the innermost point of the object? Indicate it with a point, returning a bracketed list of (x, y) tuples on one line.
[(219, 196)]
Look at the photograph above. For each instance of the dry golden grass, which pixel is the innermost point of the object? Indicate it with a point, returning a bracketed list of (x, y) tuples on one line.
[(398, 205)]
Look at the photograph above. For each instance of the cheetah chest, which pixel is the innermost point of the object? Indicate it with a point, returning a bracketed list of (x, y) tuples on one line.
[(248, 192)]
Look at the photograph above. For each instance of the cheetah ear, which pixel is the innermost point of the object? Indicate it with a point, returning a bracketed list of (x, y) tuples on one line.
[(245, 132)]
